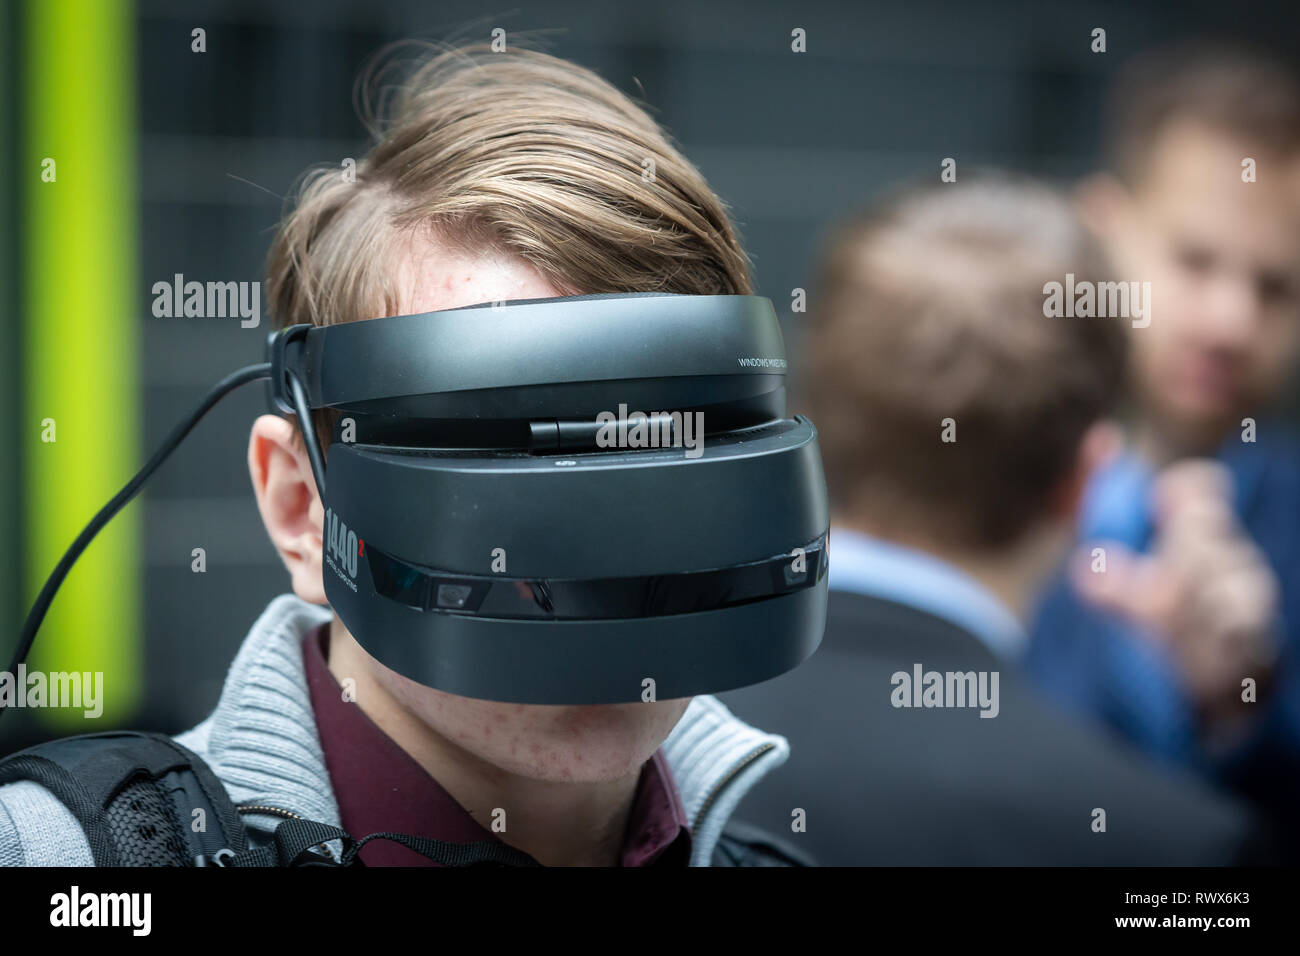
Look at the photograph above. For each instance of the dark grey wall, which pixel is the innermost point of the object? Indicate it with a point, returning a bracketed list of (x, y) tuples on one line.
[(885, 91)]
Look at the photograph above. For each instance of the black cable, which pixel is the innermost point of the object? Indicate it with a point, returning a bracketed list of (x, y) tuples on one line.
[(303, 410), (251, 373)]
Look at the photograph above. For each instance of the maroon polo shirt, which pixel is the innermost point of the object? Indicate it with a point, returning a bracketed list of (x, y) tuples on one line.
[(380, 787)]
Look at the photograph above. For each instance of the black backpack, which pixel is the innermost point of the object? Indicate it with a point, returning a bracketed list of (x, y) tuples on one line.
[(143, 799)]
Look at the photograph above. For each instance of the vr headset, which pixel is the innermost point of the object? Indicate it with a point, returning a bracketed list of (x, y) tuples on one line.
[(498, 525)]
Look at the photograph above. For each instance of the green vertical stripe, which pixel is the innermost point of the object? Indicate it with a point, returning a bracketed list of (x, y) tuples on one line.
[(11, 558), (80, 349)]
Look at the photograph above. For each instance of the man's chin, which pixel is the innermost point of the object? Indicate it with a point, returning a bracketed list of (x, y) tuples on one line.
[(597, 743), (1198, 423)]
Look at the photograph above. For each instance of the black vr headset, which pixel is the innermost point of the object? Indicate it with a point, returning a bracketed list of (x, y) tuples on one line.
[(498, 524)]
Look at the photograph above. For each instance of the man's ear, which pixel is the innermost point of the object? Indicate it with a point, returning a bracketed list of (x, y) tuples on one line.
[(286, 496), (1102, 442)]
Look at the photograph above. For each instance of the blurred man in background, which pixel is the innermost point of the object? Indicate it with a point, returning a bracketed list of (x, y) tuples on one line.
[(958, 427), (1184, 638)]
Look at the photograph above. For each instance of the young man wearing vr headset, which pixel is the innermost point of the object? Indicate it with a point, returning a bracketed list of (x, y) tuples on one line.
[(498, 176)]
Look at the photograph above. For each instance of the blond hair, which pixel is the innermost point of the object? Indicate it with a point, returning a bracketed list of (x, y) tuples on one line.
[(516, 151)]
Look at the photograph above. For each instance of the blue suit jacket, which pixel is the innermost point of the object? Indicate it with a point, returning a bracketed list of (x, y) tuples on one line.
[(1102, 668)]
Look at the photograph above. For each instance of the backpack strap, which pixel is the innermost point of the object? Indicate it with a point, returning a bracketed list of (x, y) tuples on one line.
[(142, 799), (295, 842), (137, 796)]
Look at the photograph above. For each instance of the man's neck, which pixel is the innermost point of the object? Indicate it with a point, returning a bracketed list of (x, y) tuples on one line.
[(557, 823), (1161, 444)]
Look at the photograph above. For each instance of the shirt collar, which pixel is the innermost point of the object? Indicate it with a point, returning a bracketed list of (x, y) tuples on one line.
[(866, 565), (1117, 502), (379, 787)]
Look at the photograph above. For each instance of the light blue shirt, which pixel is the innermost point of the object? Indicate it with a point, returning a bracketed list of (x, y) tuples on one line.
[(865, 565)]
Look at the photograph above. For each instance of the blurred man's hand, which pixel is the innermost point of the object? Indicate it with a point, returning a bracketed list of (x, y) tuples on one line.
[(1205, 590)]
